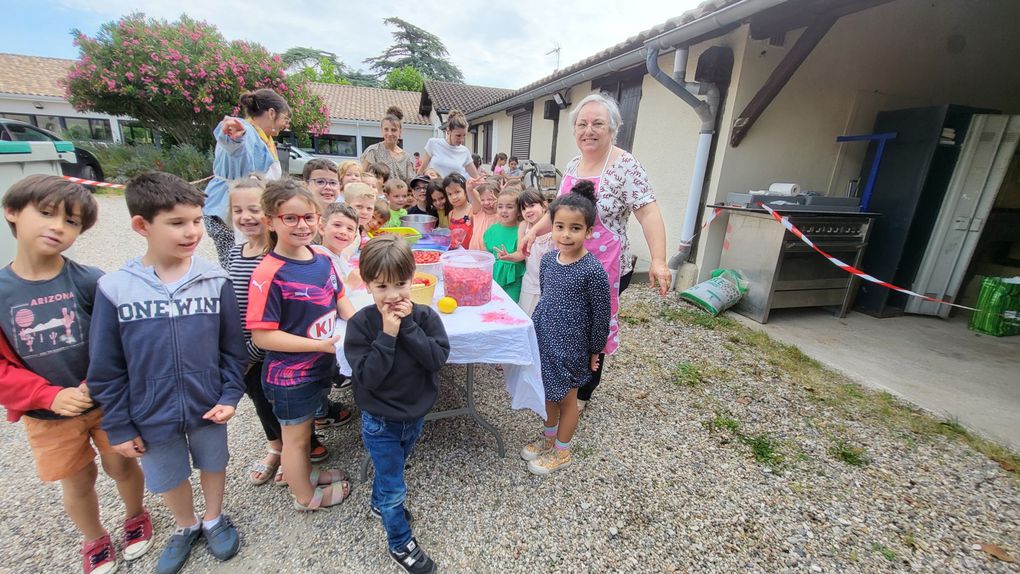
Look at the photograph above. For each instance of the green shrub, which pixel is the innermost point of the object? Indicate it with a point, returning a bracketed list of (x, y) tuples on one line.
[(122, 162)]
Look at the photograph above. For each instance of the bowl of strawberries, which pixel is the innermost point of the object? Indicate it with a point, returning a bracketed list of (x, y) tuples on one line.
[(428, 261)]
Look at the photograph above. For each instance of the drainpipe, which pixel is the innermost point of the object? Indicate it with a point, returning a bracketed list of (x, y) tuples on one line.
[(706, 111)]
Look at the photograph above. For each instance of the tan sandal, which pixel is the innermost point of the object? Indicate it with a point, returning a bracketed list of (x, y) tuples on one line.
[(320, 477), (319, 499), (268, 471)]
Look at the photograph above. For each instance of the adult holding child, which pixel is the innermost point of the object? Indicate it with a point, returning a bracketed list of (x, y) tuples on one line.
[(621, 188), (243, 145), (387, 152), (448, 154)]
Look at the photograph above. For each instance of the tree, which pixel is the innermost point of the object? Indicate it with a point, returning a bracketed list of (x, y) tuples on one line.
[(323, 66), (180, 77), (404, 78), (418, 49)]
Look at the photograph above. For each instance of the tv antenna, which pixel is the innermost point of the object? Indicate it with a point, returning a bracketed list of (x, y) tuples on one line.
[(555, 50)]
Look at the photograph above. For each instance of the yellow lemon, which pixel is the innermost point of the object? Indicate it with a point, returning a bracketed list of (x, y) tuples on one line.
[(447, 305)]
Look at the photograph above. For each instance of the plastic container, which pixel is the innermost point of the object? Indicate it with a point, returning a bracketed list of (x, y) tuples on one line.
[(423, 293), (435, 268), (422, 223), (467, 276), (411, 236), (20, 159)]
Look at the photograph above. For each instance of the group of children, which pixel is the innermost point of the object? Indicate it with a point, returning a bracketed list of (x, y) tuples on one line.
[(176, 341)]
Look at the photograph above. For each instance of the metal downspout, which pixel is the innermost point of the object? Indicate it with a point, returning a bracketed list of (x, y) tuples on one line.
[(706, 111)]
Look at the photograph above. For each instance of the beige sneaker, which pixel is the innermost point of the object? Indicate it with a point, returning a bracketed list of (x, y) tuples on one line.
[(550, 462), (533, 450)]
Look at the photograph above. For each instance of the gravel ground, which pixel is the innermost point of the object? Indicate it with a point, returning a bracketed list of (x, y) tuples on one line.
[(652, 488)]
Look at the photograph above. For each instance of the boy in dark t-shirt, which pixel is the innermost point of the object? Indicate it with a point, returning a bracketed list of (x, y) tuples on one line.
[(45, 310)]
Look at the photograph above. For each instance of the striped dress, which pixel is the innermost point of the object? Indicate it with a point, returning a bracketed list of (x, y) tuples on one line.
[(240, 269)]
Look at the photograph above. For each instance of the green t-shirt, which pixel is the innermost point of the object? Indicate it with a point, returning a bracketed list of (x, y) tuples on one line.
[(395, 216)]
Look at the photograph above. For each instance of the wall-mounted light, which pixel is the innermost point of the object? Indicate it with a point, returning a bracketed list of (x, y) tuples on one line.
[(560, 100), (38, 105)]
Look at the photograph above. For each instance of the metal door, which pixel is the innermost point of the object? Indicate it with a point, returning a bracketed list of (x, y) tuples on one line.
[(987, 150)]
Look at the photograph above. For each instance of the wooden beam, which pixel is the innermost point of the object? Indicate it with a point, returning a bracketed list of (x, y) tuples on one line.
[(798, 14), (782, 74)]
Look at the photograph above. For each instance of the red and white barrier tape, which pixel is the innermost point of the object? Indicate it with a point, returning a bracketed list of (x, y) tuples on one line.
[(117, 185), (93, 183), (785, 221)]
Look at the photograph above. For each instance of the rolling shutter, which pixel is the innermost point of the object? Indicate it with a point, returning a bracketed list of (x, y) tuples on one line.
[(520, 141)]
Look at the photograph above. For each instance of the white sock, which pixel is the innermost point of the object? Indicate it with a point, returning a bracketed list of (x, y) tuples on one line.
[(193, 527), (209, 524)]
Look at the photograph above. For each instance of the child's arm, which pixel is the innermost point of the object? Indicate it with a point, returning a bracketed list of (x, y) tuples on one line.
[(345, 308), (598, 311), (370, 354), (515, 256), (107, 375), (284, 342), (426, 340), (472, 191), (233, 357), (22, 390)]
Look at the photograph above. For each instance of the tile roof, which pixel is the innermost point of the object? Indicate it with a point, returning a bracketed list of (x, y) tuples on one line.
[(634, 42), (446, 96), (32, 75), (369, 104)]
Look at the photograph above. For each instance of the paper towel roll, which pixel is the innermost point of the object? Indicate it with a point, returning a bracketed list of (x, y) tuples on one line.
[(784, 189)]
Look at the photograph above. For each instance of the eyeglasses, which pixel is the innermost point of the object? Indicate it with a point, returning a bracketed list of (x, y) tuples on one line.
[(597, 126), (291, 219), (325, 182)]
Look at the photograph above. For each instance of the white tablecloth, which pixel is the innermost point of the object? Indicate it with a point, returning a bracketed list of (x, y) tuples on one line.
[(498, 332)]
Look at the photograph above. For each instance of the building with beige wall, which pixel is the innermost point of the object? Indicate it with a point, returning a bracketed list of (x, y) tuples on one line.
[(876, 56)]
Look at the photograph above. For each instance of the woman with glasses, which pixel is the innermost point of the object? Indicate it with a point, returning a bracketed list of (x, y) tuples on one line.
[(387, 152), (243, 145), (621, 188)]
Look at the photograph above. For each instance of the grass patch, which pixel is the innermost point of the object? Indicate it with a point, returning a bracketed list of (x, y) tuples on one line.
[(886, 552), (954, 427), (686, 375), (722, 421), (635, 314), (845, 452), (764, 449), (692, 316)]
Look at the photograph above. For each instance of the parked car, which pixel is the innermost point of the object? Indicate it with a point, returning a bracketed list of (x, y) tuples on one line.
[(298, 159), (87, 167)]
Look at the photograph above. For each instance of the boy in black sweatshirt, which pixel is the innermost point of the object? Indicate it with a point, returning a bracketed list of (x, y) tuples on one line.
[(395, 349)]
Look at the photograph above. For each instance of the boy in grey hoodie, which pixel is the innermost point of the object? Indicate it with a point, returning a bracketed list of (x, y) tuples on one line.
[(167, 362)]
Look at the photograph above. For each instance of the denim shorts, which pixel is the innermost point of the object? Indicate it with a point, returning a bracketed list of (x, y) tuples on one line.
[(294, 405), (166, 464)]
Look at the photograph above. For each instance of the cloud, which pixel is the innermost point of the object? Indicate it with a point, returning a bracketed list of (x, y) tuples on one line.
[(499, 44)]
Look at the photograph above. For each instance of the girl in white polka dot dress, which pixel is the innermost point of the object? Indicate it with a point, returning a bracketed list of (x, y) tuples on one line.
[(572, 324)]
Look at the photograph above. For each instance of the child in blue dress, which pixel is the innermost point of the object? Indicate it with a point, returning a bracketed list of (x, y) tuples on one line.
[(572, 324)]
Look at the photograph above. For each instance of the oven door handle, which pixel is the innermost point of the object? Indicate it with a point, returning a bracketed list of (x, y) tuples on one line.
[(830, 247)]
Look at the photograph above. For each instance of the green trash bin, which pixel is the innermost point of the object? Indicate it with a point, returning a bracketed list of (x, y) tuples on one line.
[(998, 307)]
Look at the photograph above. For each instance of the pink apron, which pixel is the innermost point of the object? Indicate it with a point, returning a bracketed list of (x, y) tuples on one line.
[(607, 247)]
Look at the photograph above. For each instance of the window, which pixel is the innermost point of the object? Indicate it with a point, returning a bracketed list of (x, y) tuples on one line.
[(331, 144), (77, 129), (133, 133), (483, 141), (625, 87), (50, 123), (20, 117), (372, 140), (22, 133), (520, 139), (101, 130)]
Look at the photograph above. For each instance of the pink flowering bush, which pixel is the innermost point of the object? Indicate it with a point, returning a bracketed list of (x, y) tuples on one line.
[(181, 77)]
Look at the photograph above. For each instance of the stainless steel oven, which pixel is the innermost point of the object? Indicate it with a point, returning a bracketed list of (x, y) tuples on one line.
[(783, 271)]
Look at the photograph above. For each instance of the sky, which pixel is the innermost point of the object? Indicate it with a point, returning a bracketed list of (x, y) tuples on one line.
[(494, 44)]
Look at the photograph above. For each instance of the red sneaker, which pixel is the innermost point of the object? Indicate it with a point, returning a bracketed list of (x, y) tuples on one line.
[(99, 557), (137, 536)]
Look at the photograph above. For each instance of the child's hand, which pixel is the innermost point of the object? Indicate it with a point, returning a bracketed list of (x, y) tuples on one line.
[(391, 322), (501, 253), (133, 448), (594, 363), (70, 402), (403, 308), (232, 127), (329, 345), (219, 414)]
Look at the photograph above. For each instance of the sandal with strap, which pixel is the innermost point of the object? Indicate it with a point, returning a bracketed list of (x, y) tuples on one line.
[(319, 499), (268, 471), (320, 477)]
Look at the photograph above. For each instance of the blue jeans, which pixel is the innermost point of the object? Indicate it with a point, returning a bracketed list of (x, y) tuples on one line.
[(390, 443)]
